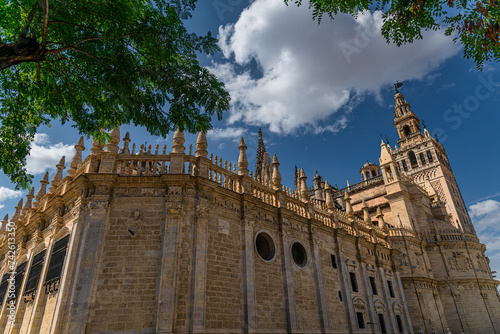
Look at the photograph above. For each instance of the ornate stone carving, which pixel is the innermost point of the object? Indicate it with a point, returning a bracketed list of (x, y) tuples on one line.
[(97, 208)]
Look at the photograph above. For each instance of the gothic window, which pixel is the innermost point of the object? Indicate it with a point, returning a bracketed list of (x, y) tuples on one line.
[(34, 275), (354, 282), (406, 130), (381, 321), (391, 289), (374, 285), (361, 320), (3, 286), (400, 323), (57, 260), (422, 159), (18, 279), (429, 156), (413, 159)]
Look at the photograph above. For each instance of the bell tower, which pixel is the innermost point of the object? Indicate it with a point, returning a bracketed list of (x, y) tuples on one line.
[(423, 159)]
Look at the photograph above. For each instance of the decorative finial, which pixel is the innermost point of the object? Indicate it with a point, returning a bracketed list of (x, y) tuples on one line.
[(276, 173), (178, 142), (260, 156), (126, 141), (57, 176), (304, 190), (115, 140), (329, 198), (397, 86), (77, 158), (381, 222), (201, 145), (29, 197), (242, 160)]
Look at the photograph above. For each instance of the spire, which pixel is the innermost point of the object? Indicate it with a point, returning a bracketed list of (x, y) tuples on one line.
[(16, 214), (260, 155), (115, 140), (201, 145), (77, 158), (126, 141), (42, 190), (56, 179), (242, 160), (5, 221), (276, 174), (328, 195), (178, 142), (381, 222), (266, 173), (29, 198)]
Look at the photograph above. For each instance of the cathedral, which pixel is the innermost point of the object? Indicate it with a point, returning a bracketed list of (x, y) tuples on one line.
[(142, 239)]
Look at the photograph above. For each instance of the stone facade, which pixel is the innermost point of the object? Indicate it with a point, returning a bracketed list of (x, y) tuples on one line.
[(157, 242)]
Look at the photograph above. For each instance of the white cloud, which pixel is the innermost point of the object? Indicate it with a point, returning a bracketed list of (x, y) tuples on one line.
[(45, 156), (6, 194), (311, 71), (226, 133), (485, 216)]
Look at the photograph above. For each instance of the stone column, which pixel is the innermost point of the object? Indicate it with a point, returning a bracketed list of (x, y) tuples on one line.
[(85, 269), (249, 292), (316, 245), (199, 273), (165, 309), (291, 311)]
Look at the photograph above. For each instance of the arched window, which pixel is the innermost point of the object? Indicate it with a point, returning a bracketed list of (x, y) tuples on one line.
[(406, 130), (403, 163), (422, 159), (413, 159), (374, 173), (429, 156), (56, 264), (367, 175)]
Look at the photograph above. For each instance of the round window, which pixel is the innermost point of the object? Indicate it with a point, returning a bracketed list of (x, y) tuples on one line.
[(265, 246), (299, 254)]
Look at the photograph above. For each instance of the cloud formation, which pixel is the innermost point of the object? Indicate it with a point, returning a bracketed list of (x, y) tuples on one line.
[(44, 156), (309, 72), (226, 133), (485, 217), (6, 194)]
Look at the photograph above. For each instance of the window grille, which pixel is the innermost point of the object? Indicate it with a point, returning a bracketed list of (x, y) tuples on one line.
[(3, 286), (34, 275), (56, 264), (18, 279)]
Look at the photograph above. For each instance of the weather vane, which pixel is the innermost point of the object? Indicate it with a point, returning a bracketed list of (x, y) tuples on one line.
[(397, 85)]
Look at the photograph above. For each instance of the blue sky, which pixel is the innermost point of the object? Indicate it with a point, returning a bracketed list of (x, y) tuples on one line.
[(322, 96)]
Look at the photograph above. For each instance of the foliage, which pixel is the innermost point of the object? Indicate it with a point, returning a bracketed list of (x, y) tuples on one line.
[(100, 63), (474, 24)]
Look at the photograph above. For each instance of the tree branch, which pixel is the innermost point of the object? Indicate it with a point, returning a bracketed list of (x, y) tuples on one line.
[(28, 23), (45, 24)]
